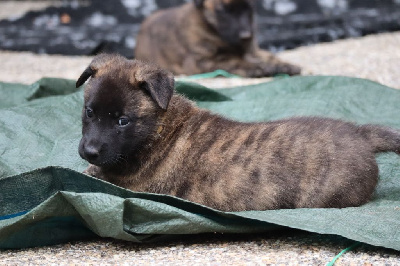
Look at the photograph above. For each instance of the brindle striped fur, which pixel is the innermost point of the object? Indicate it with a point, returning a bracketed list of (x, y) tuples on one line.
[(182, 150), (205, 35)]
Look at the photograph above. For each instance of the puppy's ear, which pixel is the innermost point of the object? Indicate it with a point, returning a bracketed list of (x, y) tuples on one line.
[(158, 82), (198, 3), (98, 62), (87, 73)]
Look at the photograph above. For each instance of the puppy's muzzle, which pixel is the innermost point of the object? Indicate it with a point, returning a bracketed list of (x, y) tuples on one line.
[(90, 151)]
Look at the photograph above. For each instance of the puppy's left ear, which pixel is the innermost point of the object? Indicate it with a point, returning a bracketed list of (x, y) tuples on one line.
[(99, 61), (158, 82), (87, 73)]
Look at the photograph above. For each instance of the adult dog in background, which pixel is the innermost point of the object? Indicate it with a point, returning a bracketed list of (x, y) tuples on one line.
[(205, 35), (138, 134)]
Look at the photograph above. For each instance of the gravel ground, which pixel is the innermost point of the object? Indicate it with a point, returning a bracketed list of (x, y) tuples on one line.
[(375, 57), (280, 248)]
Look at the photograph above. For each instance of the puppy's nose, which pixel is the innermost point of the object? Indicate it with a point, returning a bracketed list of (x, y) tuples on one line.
[(91, 152)]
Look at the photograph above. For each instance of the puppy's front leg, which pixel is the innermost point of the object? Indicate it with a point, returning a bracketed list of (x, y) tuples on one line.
[(234, 64), (248, 66), (271, 65)]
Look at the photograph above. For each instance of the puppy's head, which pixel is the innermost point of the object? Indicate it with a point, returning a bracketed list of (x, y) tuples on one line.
[(124, 100), (232, 19)]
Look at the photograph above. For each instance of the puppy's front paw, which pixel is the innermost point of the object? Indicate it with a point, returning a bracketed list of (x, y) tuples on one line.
[(289, 69), (272, 69)]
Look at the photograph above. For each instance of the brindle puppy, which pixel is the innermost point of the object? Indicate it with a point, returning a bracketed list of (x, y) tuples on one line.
[(206, 35), (139, 134)]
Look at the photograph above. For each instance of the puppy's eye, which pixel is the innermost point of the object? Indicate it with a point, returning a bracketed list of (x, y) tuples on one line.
[(123, 121), (89, 112)]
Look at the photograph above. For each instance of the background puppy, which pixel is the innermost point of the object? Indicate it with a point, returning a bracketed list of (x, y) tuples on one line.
[(139, 135), (206, 35)]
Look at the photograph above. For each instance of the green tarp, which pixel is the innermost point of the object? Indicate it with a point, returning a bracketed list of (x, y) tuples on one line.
[(44, 199)]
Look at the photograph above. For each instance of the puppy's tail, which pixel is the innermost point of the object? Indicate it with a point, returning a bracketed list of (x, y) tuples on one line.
[(382, 139)]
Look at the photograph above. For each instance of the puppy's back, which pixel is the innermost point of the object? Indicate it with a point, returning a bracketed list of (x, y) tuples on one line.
[(160, 38), (293, 163)]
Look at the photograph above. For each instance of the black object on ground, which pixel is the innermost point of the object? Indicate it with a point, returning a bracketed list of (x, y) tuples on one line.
[(90, 27)]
